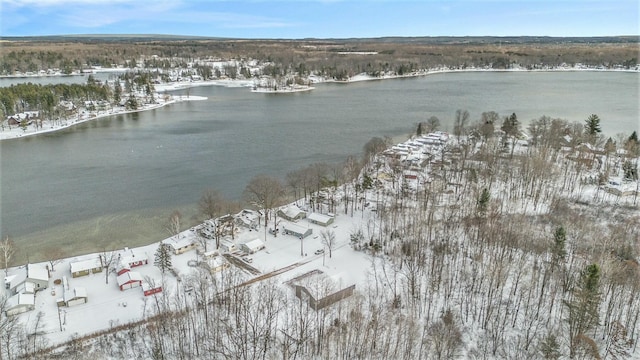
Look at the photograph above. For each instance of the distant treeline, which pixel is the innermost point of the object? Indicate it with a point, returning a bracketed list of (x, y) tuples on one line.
[(338, 58)]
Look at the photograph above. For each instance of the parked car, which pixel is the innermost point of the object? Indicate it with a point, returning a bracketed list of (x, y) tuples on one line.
[(319, 251), (247, 259)]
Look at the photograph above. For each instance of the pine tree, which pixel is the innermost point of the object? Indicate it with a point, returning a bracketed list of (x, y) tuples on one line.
[(483, 202), (583, 307), (593, 125), (559, 240), (163, 258), (419, 130)]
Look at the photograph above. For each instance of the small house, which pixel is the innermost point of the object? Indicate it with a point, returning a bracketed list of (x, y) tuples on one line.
[(86, 267), (20, 303), (292, 213), (129, 280), (227, 246), (248, 219), (252, 246), (180, 246), (34, 279), (296, 230), (133, 257), (76, 296), (320, 219)]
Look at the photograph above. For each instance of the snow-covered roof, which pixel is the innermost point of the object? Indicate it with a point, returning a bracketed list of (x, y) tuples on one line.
[(295, 228), (37, 272), (254, 244), (129, 276), (79, 292), (292, 211), (20, 299), (85, 265), (321, 218), (180, 243)]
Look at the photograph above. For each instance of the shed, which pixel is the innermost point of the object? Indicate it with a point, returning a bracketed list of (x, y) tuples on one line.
[(129, 280), (252, 246), (20, 303), (149, 289), (85, 267), (292, 213), (76, 296), (296, 230), (320, 219)]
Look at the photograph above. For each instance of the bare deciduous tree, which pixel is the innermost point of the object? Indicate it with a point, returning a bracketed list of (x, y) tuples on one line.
[(7, 249)]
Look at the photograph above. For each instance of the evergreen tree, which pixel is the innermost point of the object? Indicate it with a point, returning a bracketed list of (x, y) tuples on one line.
[(630, 171), (633, 138), (559, 243), (163, 258), (583, 307), (483, 202), (419, 130), (592, 125)]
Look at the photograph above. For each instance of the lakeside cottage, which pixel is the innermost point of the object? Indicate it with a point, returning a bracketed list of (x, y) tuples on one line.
[(252, 246), (76, 296), (296, 230), (180, 246), (292, 213), (85, 267), (320, 219)]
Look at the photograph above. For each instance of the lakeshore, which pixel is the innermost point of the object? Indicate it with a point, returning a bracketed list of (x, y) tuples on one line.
[(161, 89)]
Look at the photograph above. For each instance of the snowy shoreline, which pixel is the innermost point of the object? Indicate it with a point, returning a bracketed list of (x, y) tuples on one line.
[(48, 126)]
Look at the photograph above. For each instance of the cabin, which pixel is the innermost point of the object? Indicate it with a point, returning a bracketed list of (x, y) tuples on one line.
[(248, 219), (20, 303), (34, 279), (129, 280), (296, 230), (180, 246), (320, 219), (133, 258), (292, 213), (76, 296), (86, 267), (252, 246)]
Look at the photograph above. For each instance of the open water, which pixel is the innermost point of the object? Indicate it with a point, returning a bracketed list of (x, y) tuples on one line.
[(112, 182)]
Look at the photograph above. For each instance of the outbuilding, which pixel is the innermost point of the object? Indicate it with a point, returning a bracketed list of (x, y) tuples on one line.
[(129, 280), (149, 290), (76, 296), (20, 303)]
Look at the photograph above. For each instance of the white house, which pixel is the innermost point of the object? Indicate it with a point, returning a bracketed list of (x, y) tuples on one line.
[(320, 219), (181, 245), (296, 230), (252, 246)]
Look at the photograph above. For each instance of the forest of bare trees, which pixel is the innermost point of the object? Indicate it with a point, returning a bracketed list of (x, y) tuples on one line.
[(499, 254)]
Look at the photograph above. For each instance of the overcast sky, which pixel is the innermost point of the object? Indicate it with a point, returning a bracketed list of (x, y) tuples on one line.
[(291, 19)]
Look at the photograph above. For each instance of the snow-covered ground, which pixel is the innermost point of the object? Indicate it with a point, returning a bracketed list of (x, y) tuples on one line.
[(108, 306), (84, 116)]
